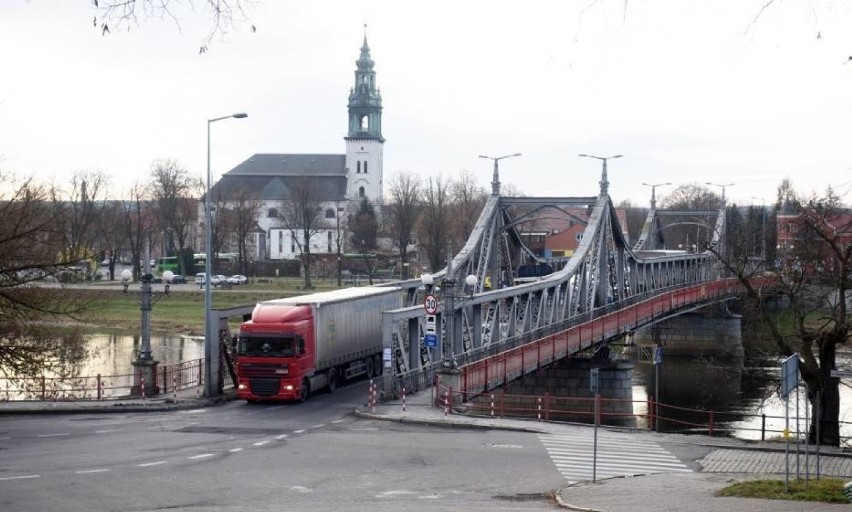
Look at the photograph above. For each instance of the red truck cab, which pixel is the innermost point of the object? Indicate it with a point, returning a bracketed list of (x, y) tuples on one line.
[(275, 354)]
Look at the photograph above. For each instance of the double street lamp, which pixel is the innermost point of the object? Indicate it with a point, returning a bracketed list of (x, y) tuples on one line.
[(211, 347), (495, 180), (604, 180), (653, 192), (726, 185)]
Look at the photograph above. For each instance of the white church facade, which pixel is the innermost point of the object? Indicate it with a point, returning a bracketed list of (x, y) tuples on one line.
[(340, 181)]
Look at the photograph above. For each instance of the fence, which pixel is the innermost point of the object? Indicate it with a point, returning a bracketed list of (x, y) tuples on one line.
[(167, 379), (614, 412)]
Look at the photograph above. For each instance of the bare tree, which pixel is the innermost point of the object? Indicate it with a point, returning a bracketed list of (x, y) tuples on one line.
[(301, 216), (172, 192), (365, 227), (403, 211), (139, 222), (814, 281), (112, 235), (242, 208), (82, 220), (341, 219), (434, 228), (31, 245), (224, 15), (468, 199)]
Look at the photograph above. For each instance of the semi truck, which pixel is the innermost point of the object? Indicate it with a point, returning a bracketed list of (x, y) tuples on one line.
[(298, 345)]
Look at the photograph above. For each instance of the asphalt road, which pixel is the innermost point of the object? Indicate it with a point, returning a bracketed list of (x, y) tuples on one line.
[(240, 457)]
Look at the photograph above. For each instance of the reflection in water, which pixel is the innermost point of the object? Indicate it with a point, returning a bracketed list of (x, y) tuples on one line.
[(112, 354)]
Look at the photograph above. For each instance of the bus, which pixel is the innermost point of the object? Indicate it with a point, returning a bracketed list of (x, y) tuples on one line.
[(200, 258), (167, 263)]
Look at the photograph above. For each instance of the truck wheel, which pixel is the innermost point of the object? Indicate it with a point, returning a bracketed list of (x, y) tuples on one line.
[(332, 380), (370, 372), (377, 365), (305, 391)]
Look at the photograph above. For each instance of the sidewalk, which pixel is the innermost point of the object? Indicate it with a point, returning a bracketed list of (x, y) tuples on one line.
[(729, 461), (184, 399)]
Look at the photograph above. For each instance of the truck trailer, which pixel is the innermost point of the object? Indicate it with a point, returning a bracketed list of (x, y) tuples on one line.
[(294, 346)]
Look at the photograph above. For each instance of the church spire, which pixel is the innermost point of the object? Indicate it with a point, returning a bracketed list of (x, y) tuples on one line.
[(365, 99)]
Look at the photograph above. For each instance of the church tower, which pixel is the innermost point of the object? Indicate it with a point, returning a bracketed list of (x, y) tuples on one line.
[(364, 143)]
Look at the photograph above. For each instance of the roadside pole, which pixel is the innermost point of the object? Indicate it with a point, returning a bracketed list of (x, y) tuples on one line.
[(594, 380)]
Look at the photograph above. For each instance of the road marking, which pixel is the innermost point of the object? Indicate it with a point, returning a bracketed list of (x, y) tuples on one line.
[(259, 443), (53, 435), (193, 411), (106, 431), (159, 462), (282, 436), (298, 431), (86, 471), (202, 456), (22, 477), (321, 425), (235, 450), (4, 438), (574, 457), (338, 421)]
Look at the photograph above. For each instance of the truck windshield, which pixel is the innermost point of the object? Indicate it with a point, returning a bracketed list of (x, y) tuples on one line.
[(266, 346)]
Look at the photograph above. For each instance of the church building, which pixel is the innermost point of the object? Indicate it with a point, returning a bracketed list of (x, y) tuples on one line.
[(340, 180)]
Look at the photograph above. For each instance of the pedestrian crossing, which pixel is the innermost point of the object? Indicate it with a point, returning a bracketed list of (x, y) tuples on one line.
[(616, 456)]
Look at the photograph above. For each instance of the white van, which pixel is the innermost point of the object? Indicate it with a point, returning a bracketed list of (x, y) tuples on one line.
[(200, 279)]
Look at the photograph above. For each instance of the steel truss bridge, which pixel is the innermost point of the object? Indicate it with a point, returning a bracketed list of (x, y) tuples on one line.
[(606, 288)]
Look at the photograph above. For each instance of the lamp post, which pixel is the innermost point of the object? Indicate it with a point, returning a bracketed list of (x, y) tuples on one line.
[(726, 185), (211, 356), (495, 180), (654, 192), (604, 180)]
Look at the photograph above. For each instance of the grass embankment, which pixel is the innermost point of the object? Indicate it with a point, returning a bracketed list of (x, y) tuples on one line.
[(826, 490), (179, 312)]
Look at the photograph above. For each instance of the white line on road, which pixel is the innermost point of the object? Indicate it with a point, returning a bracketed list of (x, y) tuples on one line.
[(298, 431), (85, 471), (282, 436), (53, 435), (107, 431), (159, 462), (22, 477), (5, 438), (321, 425), (202, 456), (193, 411), (259, 443), (235, 450), (338, 421)]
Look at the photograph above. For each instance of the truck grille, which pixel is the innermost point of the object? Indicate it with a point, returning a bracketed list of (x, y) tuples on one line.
[(253, 370), (264, 387)]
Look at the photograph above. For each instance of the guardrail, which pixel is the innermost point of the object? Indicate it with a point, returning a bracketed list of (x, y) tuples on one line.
[(167, 379)]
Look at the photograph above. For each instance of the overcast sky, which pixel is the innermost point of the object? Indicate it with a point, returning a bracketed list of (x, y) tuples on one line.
[(687, 91)]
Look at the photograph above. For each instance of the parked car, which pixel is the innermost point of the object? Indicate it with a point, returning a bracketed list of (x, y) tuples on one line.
[(218, 280), (200, 279), (178, 279), (238, 279)]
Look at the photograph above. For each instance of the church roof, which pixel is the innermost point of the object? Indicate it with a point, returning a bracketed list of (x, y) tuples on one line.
[(272, 175)]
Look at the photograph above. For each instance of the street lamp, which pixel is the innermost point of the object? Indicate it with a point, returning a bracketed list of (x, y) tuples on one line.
[(495, 180), (604, 181), (653, 192), (723, 188), (211, 356)]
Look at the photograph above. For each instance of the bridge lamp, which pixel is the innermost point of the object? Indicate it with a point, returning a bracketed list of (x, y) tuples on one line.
[(723, 188), (427, 281), (211, 356), (604, 182), (471, 282), (495, 180), (653, 192)]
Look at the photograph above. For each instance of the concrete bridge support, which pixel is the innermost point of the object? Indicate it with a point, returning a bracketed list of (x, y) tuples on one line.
[(566, 383), (710, 333)]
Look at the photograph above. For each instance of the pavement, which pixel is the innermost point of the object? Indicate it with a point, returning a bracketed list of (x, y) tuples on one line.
[(726, 460)]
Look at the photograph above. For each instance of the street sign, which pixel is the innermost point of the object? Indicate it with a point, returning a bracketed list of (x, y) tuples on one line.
[(594, 380), (658, 354), (430, 304), (789, 375), (430, 340)]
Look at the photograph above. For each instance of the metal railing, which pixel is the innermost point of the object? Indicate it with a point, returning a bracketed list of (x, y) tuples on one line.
[(167, 379)]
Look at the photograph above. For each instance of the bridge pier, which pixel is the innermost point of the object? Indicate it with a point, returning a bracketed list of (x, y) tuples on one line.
[(713, 332), (566, 382)]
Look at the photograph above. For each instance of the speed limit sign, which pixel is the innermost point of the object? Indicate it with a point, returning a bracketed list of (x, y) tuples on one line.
[(430, 304)]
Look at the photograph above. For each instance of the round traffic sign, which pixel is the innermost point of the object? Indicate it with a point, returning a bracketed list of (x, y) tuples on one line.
[(430, 304)]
